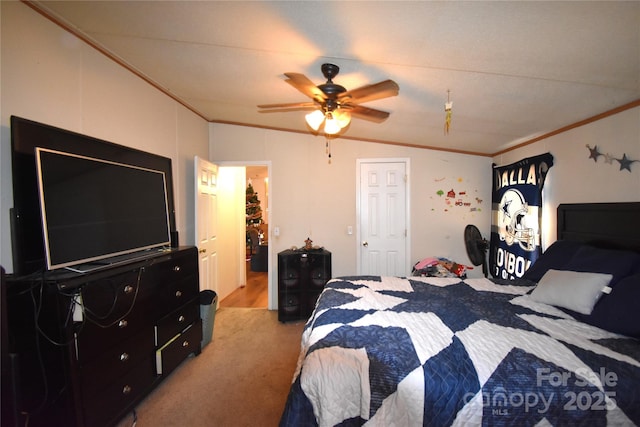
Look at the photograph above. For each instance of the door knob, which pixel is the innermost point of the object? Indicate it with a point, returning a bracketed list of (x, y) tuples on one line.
[(365, 244), (202, 251)]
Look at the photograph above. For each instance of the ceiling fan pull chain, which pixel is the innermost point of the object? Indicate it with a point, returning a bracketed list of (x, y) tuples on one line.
[(328, 149)]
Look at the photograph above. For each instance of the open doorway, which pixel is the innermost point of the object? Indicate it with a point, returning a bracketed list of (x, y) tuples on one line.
[(254, 292)]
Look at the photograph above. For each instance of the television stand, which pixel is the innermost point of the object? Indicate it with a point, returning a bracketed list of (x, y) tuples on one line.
[(90, 346)]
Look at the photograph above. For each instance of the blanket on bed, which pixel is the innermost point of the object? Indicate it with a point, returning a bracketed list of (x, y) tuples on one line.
[(383, 351)]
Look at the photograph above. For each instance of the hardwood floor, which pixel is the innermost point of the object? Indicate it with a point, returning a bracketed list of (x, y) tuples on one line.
[(253, 295)]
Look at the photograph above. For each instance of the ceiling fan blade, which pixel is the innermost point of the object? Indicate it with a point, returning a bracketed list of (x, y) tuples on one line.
[(288, 109), (372, 92), (290, 105), (304, 85), (366, 113)]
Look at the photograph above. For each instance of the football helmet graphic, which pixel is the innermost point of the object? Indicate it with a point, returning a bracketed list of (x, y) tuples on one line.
[(512, 221)]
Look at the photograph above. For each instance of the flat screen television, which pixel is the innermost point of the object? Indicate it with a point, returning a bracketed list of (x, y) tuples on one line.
[(27, 236), (93, 209)]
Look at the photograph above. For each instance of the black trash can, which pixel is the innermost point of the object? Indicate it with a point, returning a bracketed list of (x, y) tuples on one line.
[(208, 303)]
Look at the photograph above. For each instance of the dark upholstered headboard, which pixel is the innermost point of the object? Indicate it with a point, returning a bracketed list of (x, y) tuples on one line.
[(610, 225)]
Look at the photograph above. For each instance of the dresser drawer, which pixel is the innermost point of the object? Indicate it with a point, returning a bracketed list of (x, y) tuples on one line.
[(175, 282), (112, 309), (171, 325), (175, 294), (175, 351), (106, 407), (179, 267), (98, 373), (106, 300), (93, 340)]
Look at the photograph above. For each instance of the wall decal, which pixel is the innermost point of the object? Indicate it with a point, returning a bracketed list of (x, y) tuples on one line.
[(624, 162), (456, 196)]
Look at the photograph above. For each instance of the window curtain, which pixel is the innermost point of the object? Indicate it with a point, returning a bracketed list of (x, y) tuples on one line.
[(516, 204)]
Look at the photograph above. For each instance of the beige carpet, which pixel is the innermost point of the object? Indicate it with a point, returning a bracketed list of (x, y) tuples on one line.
[(241, 378)]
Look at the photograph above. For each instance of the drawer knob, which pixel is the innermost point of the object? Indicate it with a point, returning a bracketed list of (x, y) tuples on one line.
[(178, 294), (124, 357), (126, 389), (128, 289), (176, 268), (123, 323), (185, 343), (181, 319)]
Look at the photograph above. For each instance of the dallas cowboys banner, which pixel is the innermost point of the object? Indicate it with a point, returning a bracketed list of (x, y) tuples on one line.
[(516, 204)]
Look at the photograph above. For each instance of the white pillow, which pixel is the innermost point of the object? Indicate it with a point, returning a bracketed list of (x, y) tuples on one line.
[(574, 290)]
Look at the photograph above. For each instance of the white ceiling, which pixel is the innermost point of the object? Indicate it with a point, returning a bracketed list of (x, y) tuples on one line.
[(515, 70)]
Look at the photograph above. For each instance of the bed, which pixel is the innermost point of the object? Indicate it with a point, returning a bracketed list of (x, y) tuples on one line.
[(558, 347)]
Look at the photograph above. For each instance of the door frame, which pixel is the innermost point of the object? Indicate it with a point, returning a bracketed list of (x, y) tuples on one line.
[(272, 291), (407, 163)]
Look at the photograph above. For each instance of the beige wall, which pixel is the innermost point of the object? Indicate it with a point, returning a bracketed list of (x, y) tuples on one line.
[(50, 76), (310, 197), (575, 178)]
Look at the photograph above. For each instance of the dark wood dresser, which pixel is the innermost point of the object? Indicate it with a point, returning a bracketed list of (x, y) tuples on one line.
[(91, 346)]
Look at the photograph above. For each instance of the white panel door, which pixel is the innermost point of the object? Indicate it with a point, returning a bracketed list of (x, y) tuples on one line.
[(206, 222), (383, 218)]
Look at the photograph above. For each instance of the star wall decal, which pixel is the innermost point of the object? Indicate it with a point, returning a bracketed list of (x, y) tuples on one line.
[(594, 153), (625, 162), (608, 158)]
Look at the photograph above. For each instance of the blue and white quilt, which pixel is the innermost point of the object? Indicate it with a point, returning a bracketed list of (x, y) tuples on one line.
[(385, 351)]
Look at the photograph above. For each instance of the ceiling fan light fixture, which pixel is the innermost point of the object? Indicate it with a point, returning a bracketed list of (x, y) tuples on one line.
[(342, 117), (333, 104), (315, 119), (331, 126)]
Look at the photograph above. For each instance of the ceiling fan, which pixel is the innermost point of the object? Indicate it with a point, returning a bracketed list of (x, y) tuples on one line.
[(333, 104)]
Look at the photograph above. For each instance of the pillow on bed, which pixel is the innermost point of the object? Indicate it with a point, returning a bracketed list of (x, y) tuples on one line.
[(620, 310), (574, 290), (556, 256), (609, 261)]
